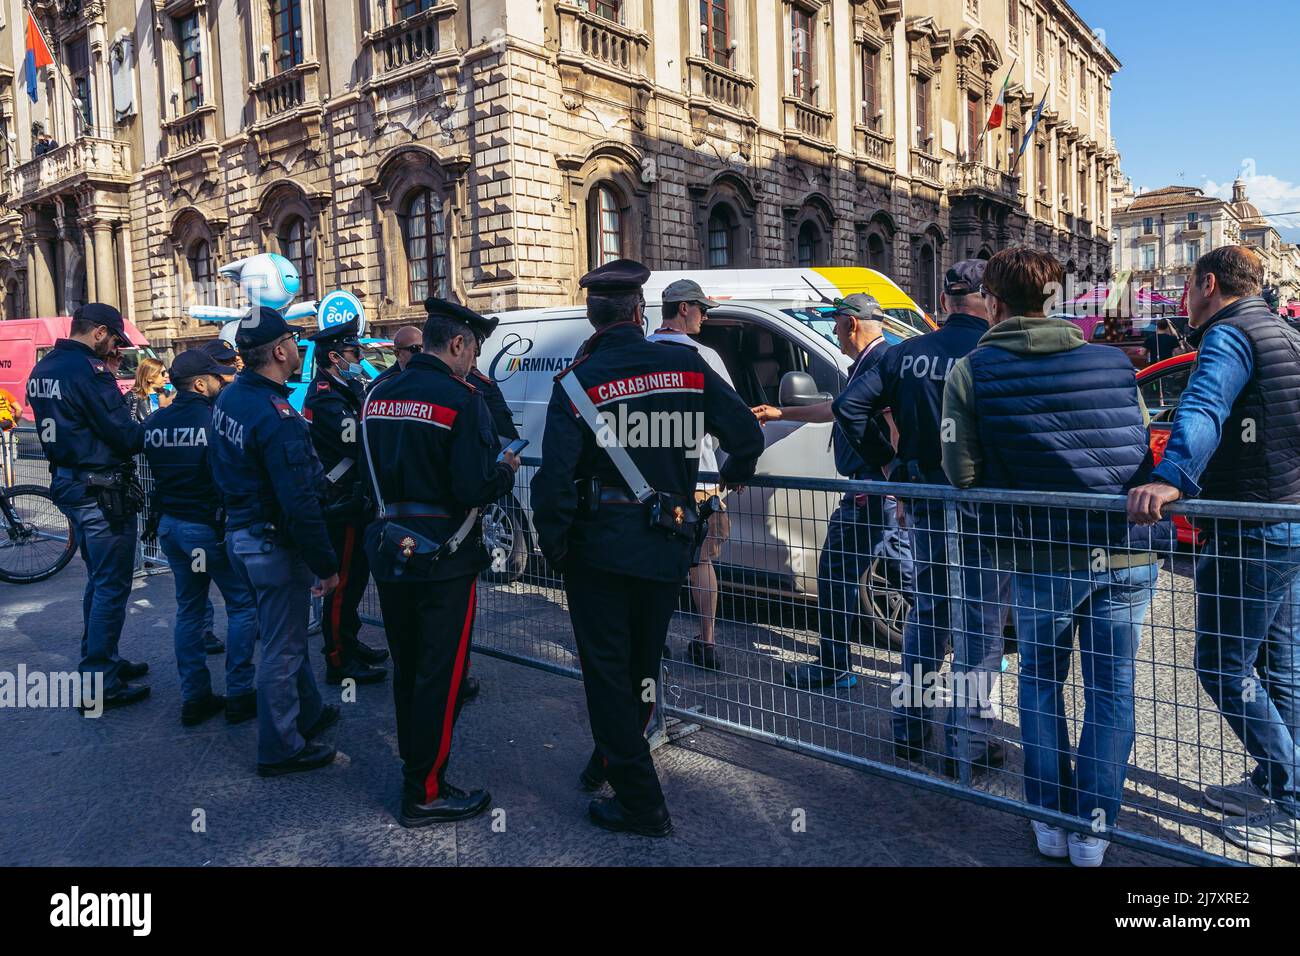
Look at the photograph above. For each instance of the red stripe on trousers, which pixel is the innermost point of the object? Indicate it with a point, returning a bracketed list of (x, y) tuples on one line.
[(457, 672), (336, 600)]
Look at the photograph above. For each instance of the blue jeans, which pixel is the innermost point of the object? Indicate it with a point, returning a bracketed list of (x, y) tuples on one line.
[(288, 701), (185, 543), (859, 528), (1248, 648), (977, 645), (109, 554), (1108, 608)]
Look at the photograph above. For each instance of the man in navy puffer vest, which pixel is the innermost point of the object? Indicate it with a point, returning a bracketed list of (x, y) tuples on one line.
[(1036, 407)]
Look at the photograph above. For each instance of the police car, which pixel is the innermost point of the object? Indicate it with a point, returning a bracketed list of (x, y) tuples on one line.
[(780, 349)]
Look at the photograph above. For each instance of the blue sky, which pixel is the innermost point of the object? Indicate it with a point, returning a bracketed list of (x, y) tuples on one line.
[(1207, 92)]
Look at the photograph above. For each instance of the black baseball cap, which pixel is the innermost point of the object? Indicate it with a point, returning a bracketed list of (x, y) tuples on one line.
[(263, 326), (100, 313), (220, 349), (965, 277), (194, 362), (615, 278), (481, 325)]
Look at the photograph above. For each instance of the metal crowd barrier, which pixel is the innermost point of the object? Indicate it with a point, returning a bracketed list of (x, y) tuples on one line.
[(768, 623), (23, 463)]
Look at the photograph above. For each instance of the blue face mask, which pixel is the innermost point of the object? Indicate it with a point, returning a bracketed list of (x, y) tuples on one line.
[(351, 371)]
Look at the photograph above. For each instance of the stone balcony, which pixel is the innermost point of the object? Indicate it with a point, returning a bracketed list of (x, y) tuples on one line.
[(717, 88), (807, 125), (926, 167), (89, 160), (604, 58), (980, 179)]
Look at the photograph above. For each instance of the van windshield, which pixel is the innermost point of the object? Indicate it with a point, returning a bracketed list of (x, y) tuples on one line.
[(818, 318), (131, 361)]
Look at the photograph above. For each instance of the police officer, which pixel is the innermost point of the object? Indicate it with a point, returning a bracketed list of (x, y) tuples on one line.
[(433, 452), (228, 359), (910, 381), (89, 436), (272, 485), (333, 407), (861, 524), (625, 551), (191, 533)]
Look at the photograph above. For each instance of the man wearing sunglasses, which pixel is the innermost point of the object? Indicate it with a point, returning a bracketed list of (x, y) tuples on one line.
[(407, 341), (89, 436), (272, 485)]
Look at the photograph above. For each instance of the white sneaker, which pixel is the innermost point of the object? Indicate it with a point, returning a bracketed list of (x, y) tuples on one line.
[(1272, 831), (1087, 850), (1051, 840), (1240, 799)]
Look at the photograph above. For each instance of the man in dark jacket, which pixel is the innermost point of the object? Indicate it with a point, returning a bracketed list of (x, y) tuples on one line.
[(625, 550), (909, 381), (333, 407), (1036, 407), (1236, 437), (433, 452), (862, 524)]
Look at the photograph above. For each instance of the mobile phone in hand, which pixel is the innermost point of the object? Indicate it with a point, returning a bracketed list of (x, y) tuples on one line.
[(515, 447)]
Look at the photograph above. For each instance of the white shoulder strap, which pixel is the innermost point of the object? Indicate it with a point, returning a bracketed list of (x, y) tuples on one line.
[(627, 468)]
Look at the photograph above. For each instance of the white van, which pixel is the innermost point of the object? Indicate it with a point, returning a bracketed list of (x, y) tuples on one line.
[(779, 352)]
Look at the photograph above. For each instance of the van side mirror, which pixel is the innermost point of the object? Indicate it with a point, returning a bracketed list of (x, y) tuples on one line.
[(798, 388)]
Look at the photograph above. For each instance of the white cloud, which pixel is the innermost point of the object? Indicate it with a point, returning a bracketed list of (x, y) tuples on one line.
[(1269, 194)]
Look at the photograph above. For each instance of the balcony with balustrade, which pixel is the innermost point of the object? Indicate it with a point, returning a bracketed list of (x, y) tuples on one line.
[(720, 90), (982, 180), (422, 41), (873, 155), (808, 126), (89, 160)]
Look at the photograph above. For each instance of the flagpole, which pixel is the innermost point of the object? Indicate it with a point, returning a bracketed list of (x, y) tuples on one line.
[(1024, 143), (58, 70), (1001, 89)]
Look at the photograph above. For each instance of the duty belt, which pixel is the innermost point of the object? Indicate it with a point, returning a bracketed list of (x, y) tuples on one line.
[(79, 474), (616, 496), (415, 509)]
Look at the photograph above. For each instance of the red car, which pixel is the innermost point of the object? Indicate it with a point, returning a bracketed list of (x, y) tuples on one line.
[(1162, 386)]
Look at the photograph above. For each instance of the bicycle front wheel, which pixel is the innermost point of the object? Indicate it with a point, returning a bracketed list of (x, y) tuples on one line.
[(36, 539)]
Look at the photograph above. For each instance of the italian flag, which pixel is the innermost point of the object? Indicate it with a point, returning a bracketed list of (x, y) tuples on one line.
[(995, 118)]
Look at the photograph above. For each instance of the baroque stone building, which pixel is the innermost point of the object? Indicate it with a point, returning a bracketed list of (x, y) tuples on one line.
[(497, 149), (1160, 234)]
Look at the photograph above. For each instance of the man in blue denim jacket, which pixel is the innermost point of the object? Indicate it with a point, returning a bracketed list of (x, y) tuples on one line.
[(1236, 437)]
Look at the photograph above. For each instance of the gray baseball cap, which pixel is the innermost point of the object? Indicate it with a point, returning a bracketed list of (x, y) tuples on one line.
[(687, 290), (860, 306)]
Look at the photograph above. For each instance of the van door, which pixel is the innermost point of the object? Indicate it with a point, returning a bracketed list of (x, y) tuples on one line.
[(17, 357), (776, 532)]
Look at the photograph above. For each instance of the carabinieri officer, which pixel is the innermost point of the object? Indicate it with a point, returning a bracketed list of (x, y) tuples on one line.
[(89, 437), (333, 407), (625, 556), (191, 532), (272, 486), (433, 456)]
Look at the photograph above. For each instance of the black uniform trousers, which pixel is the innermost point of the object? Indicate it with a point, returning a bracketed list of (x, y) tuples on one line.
[(428, 624), (339, 621), (620, 624)]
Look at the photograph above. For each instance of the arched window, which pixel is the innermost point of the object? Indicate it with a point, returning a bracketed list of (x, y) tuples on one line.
[(809, 251), (926, 279), (877, 253), (604, 227), (722, 237), (296, 246), (200, 262), (424, 232)]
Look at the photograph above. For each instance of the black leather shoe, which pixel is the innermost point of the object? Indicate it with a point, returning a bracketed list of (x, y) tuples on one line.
[(212, 644), (194, 712), (359, 671), (127, 695), (469, 689), (593, 775), (367, 654), (311, 757), (454, 804), (703, 655), (993, 757), (329, 716), (241, 707), (609, 814), (130, 670)]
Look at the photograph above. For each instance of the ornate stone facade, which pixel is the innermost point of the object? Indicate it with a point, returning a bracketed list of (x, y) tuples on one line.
[(497, 149)]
